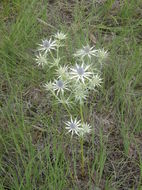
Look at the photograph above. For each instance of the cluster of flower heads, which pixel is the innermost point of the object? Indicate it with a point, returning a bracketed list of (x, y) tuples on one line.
[(72, 84), (75, 126)]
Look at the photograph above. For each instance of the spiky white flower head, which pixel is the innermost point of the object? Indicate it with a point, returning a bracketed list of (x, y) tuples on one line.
[(47, 45), (62, 72), (95, 82), (86, 129), (80, 72), (56, 86), (102, 54), (48, 86), (73, 126), (60, 36), (60, 86), (80, 92), (86, 51), (41, 59)]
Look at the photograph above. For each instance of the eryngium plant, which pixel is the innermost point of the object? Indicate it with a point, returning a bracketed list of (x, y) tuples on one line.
[(72, 84)]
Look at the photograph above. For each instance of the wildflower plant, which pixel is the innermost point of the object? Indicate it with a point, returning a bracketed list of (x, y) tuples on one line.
[(86, 51), (41, 59), (72, 84)]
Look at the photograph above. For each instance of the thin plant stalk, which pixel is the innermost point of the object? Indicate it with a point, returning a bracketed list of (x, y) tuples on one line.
[(65, 106), (81, 143), (57, 52)]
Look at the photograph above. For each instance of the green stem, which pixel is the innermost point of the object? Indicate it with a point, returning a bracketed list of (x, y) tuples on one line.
[(65, 106), (52, 55), (57, 52), (82, 156), (81, 143), (81, 113)]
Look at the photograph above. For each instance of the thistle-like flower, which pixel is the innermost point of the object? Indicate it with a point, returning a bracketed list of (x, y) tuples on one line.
[(86, 51), (60, 86), (48, 86), (56, 86), (62, 72), (95, 82), (86, 129), (80, 92), (73, 126), (80, 72), (102, 54), (47, 45), (41, 59), (60, 36)]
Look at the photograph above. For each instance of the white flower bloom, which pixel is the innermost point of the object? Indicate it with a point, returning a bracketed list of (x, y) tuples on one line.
[(73, 126), (86, 51), (60, 86), (80, 72), (95, 82), (56, 86), (102, 54), (60, 36), (62, 72), (41, 59), (86, 129), (47, 45), (80, 92), (48, 86)]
